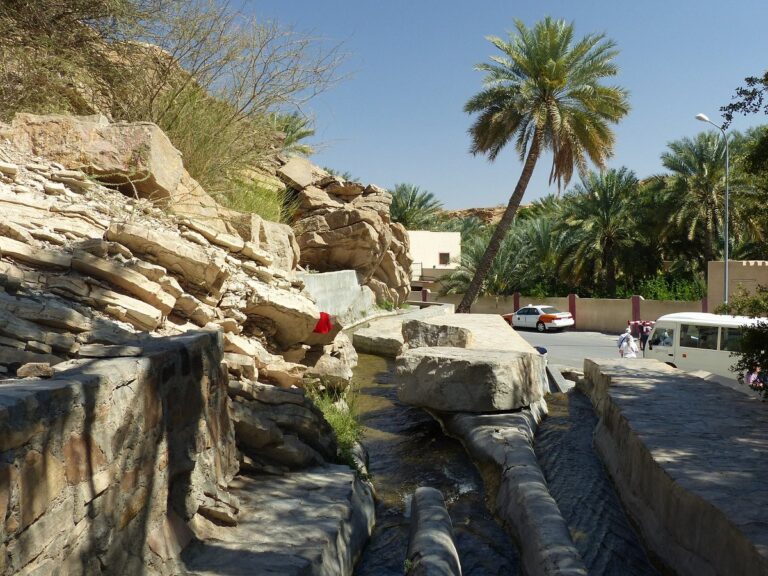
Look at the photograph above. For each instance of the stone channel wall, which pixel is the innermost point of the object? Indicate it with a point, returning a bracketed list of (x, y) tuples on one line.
[(688, 459), (103, 464)]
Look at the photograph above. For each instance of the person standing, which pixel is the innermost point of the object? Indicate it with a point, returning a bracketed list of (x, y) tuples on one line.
[(629, 348), (645, 332), (627, 334)]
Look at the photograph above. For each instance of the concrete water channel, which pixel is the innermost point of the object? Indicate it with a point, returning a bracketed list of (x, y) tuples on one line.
[(408, 449)]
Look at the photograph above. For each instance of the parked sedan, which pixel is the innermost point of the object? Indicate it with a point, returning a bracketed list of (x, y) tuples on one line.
[(540, 317)]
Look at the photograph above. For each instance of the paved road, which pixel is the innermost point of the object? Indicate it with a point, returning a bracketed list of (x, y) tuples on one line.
[(569, 348)]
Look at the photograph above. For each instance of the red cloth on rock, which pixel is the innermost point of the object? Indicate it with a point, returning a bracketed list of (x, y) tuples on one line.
[(323, 325)]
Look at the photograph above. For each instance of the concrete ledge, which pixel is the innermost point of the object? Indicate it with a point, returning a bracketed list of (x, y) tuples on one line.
[(689, 460), (503, 445), (431, 549), (557, 382)]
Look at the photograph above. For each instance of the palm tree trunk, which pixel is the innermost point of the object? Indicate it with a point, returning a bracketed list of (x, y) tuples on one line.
[(501, 228), (610, 273)]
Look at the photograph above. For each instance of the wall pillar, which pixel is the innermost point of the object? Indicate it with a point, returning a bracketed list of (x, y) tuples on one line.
[(572, 306), (636, 308), (516, 301)]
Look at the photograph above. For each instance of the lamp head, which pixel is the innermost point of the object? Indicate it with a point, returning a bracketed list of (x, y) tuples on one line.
[(702, 117)]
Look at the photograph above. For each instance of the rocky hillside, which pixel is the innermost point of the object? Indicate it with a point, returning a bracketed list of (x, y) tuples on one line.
[(485, 215), (90, 271), (343, 225)]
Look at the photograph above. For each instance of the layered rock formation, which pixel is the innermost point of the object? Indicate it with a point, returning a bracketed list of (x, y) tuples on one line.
[(343, 225), (91, 277)]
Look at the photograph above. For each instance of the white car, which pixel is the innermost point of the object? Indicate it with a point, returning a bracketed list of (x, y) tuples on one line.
[(539, 316)]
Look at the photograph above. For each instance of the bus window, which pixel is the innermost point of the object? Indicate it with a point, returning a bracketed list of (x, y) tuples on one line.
[(663, 337), (731, 339), (702, 337)]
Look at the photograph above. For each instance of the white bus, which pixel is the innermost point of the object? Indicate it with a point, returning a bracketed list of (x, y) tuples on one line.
[(697, 341)]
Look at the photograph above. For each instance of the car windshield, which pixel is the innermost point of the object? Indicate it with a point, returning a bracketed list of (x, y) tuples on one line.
[(549, 310)]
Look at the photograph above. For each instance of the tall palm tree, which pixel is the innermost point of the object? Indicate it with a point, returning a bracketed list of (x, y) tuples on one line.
[(599, 215), (694, 190), (414, 208), (545, 92)]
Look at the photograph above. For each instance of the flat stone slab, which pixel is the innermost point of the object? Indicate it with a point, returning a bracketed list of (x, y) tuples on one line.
[(690, 459), (314, 522), (469, 380), (489, 331), (384, 336), (496, 370)]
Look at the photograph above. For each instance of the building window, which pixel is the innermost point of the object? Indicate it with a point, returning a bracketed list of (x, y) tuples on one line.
[(445, 258)]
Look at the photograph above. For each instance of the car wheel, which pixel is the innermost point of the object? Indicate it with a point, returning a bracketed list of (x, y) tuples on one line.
[(540, 327)]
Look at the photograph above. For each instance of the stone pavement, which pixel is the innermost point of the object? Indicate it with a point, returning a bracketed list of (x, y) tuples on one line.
[(690, 460), (314, 522)]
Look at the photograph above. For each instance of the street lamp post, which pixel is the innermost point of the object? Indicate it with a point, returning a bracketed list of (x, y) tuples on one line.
[(704, 118)]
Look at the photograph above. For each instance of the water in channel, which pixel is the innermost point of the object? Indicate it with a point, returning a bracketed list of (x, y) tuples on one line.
[(584, 492), (407, 449)]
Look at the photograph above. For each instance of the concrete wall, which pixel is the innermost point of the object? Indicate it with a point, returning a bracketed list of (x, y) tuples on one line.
[(484, 305), (426, 247), (593, 314), (340, 294), (746, 274), (101, 465)]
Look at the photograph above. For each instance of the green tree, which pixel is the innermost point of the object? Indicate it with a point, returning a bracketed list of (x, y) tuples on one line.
[(414, 208), (602, 229), (749, 99), (694, 193), (545, 91), (505, 272), (294, 128), (544, 243)]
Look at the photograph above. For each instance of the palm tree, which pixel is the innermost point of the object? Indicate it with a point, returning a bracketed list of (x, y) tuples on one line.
[(414, 208), (294, 128), (503, 278), (598, 213), (545, 92), (694, 192), (545, 243)]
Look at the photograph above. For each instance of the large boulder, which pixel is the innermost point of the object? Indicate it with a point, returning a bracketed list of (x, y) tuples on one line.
[(420, 334), (469, 380), (494, 370), (278, 240), (293, 315), (343, 225), (137, 157)]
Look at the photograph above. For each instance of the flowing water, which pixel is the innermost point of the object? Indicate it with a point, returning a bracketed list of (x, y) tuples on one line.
[(584, 492), (407, 449)]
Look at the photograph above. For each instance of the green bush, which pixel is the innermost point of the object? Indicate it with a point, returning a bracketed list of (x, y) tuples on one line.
[(338, 410), (662, 287), (746, 304), (245, 196)]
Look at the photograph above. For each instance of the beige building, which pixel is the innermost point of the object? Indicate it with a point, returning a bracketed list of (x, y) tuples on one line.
[(742, 274), (434, 253)]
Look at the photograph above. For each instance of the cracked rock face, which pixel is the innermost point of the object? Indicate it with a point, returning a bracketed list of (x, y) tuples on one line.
[(92, 281), (343, 225), (88, 273)]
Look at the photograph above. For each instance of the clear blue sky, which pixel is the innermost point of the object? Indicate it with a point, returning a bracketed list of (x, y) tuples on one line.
[(398, 117)]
